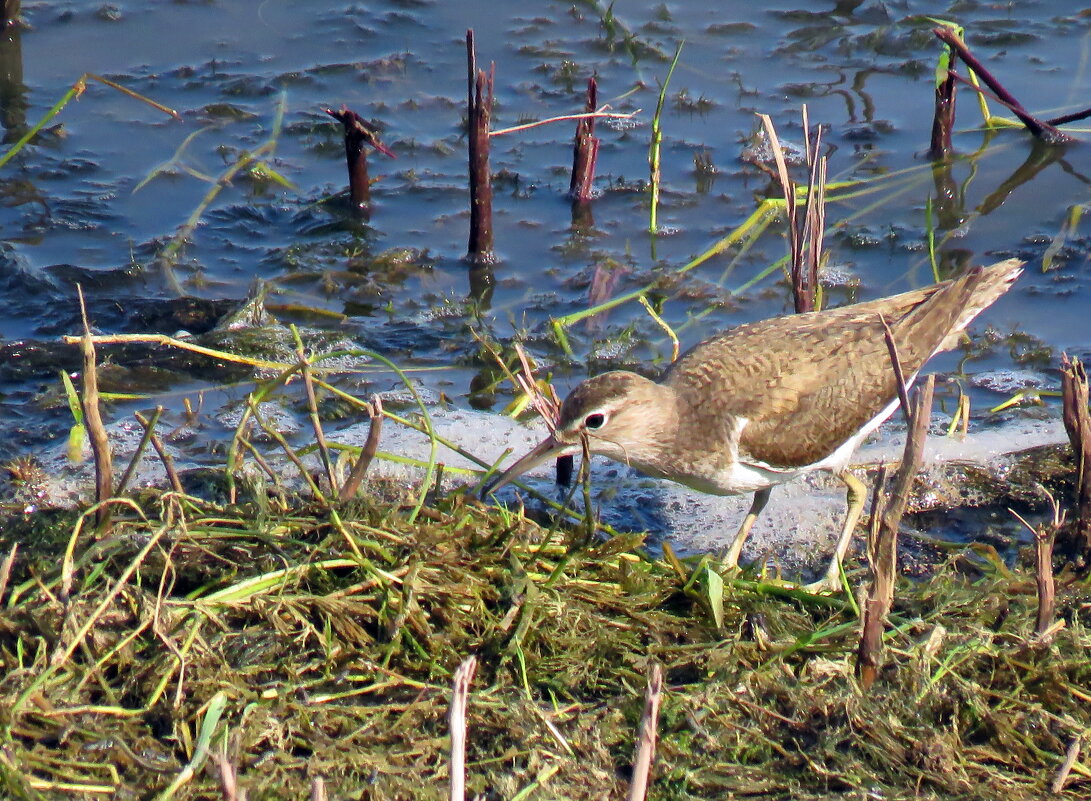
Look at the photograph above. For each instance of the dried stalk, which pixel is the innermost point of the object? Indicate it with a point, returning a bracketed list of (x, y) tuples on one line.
[(138, 454), (478, 117), (1077, 422), (943, 119), (882, 567), (883, 536), (367, 453), (92, 418), (164, 457), (460, 691), (5, 569), (585, 149), (1070, 757), (1043, 130), (805, 233), (1043, 571), (914, 452), (358, 133), (312, 409), (1044, 538), (645, 745)]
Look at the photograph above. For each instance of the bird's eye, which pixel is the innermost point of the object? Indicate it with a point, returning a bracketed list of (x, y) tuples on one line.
[(594, 421)]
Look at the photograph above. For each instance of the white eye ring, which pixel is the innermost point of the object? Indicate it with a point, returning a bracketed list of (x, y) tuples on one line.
[(594, 421)]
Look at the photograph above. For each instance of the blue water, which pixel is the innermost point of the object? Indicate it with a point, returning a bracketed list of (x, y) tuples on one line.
[(71, 199)]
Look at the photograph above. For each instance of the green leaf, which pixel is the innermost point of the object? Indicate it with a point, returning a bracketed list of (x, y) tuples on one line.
[(74, 448), (714, 583)]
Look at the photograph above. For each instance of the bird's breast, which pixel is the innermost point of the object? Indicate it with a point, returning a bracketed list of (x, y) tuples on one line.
[(738, 478)]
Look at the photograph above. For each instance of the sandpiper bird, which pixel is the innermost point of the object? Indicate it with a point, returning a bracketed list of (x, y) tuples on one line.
[(766, 402)]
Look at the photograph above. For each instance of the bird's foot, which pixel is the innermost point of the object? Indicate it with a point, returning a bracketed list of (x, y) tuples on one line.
[(829, 584), (726, 568), (727, 562)]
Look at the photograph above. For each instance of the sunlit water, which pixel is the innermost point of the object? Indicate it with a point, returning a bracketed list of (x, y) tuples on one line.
[(100, 194)]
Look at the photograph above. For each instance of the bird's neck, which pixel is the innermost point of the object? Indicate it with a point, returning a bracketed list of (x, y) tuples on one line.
[(687, 442)]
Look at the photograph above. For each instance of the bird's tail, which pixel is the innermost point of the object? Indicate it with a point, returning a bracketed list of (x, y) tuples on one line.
[(979, 289)]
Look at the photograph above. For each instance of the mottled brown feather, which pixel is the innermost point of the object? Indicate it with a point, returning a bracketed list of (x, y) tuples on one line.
[(807, 383)]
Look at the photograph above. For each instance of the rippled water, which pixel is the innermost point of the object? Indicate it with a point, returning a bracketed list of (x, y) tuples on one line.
[(100, 194)]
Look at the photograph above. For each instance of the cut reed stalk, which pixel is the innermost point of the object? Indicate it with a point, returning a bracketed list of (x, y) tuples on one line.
[(96, 431), (881, 568), (460, 692), (164, 456), (585, 149), (1077, 422), (1039, 128), (1043, 572), (646, 735), (480, 248), (358, 134), (367, 453), (883, 535), (943, 118)]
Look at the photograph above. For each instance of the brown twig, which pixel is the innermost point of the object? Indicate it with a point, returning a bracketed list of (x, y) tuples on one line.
[(585, 150), (899, 375), (913, 456), (5, 568), (1077, 422), (138, 454), (358, 133), (1043, 571), (92, 419), (943, 119), (478, 118), (645, 744), (1040, 129), (883, 537), (882, 567), (1044, 538), (164, 457), (805, 232), (1074, 116), (460, 691), (312, 410), (1072, 753), (367, 453)]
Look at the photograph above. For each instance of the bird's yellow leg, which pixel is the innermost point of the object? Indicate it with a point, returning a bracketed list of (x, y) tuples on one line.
[(855, 495), (731, 556)]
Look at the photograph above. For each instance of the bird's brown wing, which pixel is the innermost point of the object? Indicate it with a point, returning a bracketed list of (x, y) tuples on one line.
[(808, 382)]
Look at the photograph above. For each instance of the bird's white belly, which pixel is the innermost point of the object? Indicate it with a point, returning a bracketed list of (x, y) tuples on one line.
[(744, 477), (754, 476)]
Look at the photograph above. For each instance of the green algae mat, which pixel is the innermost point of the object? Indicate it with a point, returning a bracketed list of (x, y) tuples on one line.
[(203, 652)]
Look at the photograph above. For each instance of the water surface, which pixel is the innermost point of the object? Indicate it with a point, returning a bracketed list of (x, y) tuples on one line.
[(97, 197)]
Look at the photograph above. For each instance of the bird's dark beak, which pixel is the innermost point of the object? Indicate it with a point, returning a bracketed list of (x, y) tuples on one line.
[(548, 448)]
